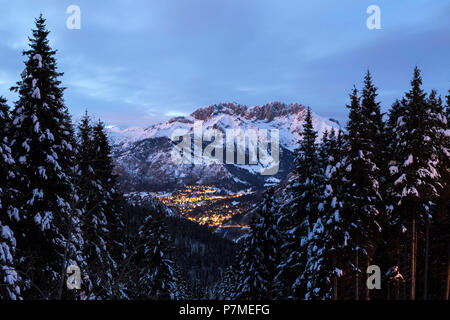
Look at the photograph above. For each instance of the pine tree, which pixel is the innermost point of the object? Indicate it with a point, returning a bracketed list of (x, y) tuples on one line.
[(42, 147), (156, 272), (362, 196), (9, 279), (435, 227), (414, 168), (374, 128), (327, 246), (111, 206), (258, 267), (102, 206), (394, 237), (447, 108), (446, 206), (298, 213), (227, 287), (94, 225)]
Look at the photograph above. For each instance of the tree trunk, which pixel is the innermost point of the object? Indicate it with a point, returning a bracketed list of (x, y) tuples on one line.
[(367, 288), (335, 280), (397, 283), (357, 274), (397, 291), (427, 246), (447, 287), (405, 287), (413, 260), (388, 293), (335, 292), (64, 264)]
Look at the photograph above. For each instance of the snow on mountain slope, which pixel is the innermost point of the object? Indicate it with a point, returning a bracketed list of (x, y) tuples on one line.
[(286, 118), (143, 154)]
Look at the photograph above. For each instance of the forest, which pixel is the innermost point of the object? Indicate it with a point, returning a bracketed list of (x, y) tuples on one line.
[(373, 193)]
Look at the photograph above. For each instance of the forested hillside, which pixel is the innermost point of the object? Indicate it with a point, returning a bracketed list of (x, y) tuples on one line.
[(374, 194)]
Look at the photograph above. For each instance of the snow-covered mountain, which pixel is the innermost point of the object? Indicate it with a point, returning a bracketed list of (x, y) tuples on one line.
[(143, 154)]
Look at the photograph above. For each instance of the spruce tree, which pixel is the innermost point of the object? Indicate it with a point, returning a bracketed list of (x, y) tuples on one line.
[(9, 278), (374, 129), (447, 108), (394, 237), (434, 234), (414, 169), (298, 213), (42, 139), (258, 267), (227, 287), (446, 202), (438, 127), (362, 198), (155, 270), (327, 246), (94, 223), (111, 205)]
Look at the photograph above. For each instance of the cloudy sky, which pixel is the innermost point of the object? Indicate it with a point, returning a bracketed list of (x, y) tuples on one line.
[(138, 62)]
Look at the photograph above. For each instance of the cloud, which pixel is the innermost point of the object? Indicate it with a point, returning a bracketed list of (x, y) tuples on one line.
[(142, 61)]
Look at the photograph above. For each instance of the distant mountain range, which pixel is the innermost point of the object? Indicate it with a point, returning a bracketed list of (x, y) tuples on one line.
[(143, 154)]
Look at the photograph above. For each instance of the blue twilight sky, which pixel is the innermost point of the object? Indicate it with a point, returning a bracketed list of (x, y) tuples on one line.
[(138, 62)]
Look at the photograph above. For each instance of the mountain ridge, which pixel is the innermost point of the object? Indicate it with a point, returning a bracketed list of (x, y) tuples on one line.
[(143, 153)]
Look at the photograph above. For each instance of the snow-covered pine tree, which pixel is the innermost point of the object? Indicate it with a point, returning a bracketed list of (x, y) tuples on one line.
[(361, 198), (326, 248), (155, 269), (9, 279), (258, 267), (227, 287), (394, 115), (447, 108), (414, 169), (435, 234), (393, 238), (441, 139), (375, 131), (42, 138), (93, 201), (446, 206), (298, 212), (112, 205)]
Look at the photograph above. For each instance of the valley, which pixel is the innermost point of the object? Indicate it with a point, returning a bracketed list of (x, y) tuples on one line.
[(206, 205)]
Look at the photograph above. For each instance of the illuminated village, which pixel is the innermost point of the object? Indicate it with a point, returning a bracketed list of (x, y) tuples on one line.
[(205, 205)]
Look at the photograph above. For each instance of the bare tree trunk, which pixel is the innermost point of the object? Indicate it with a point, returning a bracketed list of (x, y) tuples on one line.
[(397, 283), (64, 264), (388, 293), (397, 291), (413, 260), (447, 287), (427, 246), (357, 274), (335, 291), (335, 279), (367, 288)]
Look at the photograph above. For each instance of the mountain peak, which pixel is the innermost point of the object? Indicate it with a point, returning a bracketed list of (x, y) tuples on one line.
[(230, 108), (266, 112)]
